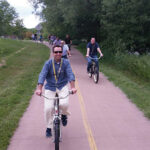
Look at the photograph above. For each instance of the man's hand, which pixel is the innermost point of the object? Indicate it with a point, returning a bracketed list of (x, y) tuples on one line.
[(101, 55), (74, 90), (38, 92), (87, 55)]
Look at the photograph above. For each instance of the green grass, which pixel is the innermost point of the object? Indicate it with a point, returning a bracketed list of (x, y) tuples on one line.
[(131, 74), (136, 90), (9, 46), (137, 65), (18, 79)]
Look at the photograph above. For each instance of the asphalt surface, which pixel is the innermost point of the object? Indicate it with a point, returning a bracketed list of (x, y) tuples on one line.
[(102, 118)]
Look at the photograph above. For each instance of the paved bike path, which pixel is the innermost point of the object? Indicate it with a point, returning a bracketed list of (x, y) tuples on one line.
[(116, 123), (102, 118)]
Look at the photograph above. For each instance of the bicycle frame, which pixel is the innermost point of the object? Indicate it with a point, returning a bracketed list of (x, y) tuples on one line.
[(57, 123), (57, 119), (94, 58), (56, 106), (94, 70)]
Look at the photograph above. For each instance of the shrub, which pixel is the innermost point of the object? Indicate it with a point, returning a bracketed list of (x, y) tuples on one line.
[(76, 42)]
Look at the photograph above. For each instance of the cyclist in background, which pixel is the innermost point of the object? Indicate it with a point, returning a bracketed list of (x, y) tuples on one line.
[(93, 49), (68, 41), (57, 41), (57, 72), (35, 37), (32, 36), (41, 38), (49, 39), (66, 51)]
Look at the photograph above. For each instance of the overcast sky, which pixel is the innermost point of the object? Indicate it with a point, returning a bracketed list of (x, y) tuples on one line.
[(24, 9)]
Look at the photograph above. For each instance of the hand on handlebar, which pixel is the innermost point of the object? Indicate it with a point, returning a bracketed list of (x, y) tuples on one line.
[(101, 55), (74, 90), (38, 92)]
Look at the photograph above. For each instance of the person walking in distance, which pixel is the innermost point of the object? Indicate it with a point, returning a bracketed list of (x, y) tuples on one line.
[(58, 73)]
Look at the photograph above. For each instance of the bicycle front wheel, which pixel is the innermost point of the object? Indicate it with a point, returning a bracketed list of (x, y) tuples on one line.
[(57, 134), (96, 75), (90, 73)]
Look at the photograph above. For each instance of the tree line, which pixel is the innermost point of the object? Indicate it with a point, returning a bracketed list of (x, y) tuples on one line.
[(10, 24), (123, 24)]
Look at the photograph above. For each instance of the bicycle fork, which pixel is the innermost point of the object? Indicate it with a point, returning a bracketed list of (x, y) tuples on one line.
[(57, 121)]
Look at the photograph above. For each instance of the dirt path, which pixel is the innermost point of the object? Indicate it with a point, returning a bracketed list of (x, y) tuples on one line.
[(102, 118)]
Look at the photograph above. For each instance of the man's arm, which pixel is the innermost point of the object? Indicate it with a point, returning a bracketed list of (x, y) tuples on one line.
[(72, 85), (98, 49), (41, 79), (88, 51), (68, 52), (39, 89), (71, 77)]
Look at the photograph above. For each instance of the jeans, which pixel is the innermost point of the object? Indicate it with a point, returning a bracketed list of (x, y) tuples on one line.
[(89, 64)]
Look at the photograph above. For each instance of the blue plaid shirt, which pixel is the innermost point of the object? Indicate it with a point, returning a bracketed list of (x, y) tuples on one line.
[(66, 75)]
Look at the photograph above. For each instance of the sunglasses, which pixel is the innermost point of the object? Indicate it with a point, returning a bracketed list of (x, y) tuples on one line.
[(56, 52)]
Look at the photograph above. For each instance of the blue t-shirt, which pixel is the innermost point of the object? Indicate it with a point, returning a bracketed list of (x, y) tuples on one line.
[(93, 48)]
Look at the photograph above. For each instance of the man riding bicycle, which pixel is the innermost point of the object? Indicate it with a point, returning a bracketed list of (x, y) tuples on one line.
[(57, 72), (92, 49)]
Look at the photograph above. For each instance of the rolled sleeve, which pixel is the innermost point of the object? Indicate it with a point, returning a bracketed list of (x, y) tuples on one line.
[(88, 45), (97, 45), (43, 74), (70, 74)]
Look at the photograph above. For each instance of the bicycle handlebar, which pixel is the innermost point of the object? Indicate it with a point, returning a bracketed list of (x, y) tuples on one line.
[(95, 58), (54, 98)]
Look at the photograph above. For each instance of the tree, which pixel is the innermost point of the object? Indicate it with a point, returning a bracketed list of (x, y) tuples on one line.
[(127, 21), (76, 17), (122, 23), (7, 15), (18, 29)]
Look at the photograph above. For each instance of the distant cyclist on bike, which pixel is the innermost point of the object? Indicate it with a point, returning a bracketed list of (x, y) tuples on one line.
[(41, 38), (93, 49), (68, 41), (66, 51), (57, 41), (57, 72)]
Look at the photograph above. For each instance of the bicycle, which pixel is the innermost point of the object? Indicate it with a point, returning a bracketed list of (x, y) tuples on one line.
[(57, 119), (94, 70)]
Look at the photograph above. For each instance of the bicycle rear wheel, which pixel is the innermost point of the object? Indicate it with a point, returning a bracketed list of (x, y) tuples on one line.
[(57, 133), (96, 75)]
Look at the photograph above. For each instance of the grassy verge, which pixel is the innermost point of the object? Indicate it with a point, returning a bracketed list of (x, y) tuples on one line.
[(135, 85), (18, 79)]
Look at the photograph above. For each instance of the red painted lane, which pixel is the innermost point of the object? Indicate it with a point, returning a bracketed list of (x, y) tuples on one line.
[(116, 123), (30, 134)]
